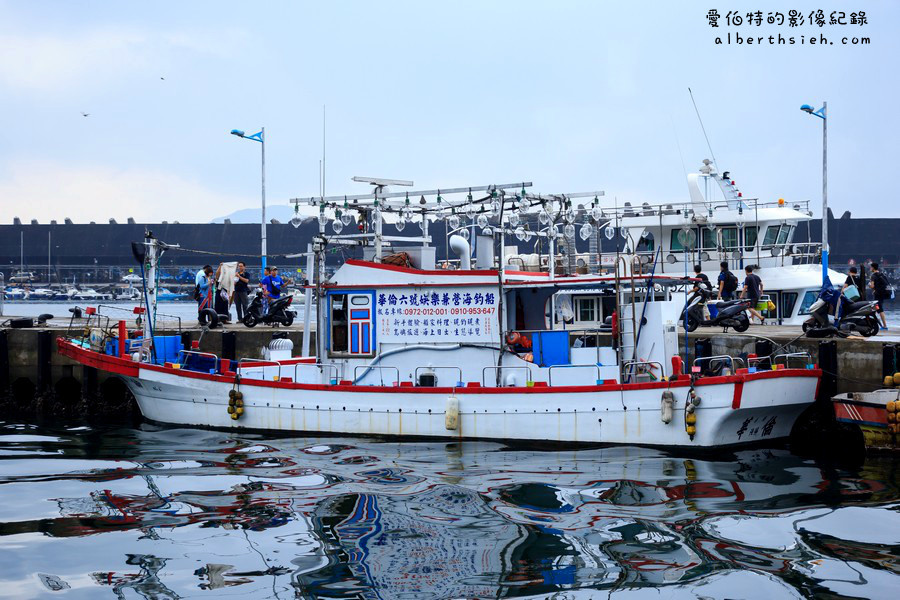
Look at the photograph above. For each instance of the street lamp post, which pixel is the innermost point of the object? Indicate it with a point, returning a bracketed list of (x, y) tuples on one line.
[(261, 138), (821, 113)]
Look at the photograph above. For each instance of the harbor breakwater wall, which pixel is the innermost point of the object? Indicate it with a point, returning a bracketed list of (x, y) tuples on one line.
[(34, 379)]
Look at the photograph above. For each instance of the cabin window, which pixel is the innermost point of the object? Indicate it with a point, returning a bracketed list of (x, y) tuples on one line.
[(675, 243), (708, 238), (784, 234), (729, 237), (786, 308), (646, 244), (351, 321), (771, 235), (750, 235), (808, 299), (339, 338), (587, 309)]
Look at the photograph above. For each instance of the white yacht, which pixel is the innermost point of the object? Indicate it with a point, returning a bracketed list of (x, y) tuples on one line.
[(90, 294), (42, 294), (718, 224)]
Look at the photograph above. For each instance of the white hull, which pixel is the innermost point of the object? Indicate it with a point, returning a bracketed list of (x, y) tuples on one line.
[(767, 410)]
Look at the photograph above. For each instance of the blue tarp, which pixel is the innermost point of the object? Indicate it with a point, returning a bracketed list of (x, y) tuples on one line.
[(550, 348)]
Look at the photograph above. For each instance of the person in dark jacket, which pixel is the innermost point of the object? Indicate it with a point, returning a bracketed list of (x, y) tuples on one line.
[(880, 285), (241, 291), (753, 291), (727, 282), (857, 279)]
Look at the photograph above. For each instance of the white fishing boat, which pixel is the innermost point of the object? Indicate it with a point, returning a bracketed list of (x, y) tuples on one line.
[(408, 350), (42, 294), (16, 293), (718, 225), (90, 295)]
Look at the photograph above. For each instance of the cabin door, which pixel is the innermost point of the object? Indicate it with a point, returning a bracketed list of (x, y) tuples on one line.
[(360, 307)]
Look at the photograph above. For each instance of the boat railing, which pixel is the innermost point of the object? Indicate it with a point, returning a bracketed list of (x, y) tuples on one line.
[(735, 362), (378, 368), (805, 356), (246, 367), (184, 355), (458, 371), (636, 368), (321, 367), (550, 371), (499, 370)]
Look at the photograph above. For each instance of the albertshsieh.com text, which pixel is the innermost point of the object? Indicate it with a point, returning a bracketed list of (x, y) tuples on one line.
[(736, 39)]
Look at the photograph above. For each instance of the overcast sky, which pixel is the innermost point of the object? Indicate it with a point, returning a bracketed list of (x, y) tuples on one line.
[(570, 95)]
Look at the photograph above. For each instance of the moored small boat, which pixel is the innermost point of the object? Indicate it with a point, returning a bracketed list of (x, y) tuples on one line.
[(876, 414)]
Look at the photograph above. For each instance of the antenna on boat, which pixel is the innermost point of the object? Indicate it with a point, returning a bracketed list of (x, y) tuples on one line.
[(708, 145), (380, 184), (323, 151)]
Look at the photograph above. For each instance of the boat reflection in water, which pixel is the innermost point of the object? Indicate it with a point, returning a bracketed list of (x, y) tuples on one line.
[(166, 513)]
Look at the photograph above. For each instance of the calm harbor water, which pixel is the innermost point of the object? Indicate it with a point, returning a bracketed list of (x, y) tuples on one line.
[(183, 513)]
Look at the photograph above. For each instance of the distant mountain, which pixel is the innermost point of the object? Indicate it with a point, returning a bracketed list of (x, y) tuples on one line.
[(251, 215)]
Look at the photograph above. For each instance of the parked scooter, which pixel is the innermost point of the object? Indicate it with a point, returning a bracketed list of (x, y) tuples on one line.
[(278, 311), (730, 313), (848, 317)]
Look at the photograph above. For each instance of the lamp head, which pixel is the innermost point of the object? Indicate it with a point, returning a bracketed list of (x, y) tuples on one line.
[(807, 108), (237, 132)]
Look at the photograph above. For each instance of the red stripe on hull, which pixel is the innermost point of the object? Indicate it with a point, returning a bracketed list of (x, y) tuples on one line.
[(124, 366)]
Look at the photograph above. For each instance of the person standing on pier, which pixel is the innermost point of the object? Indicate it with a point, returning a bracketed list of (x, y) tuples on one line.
[(203, 290), (241, 291), (728, 282), (753, 291), (856, 279), (881, 288)]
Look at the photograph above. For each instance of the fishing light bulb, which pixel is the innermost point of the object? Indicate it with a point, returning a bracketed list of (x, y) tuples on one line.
[(544, 216), (323, 220), (570, 216), (487, 231), (586, 230), (520, 233), (470, 210), (495, 208), (337, 225), (296, 221), (609, 232), (464, 233), (482, 221), (513, 219), (569, 231), (596, 213), (453, 221), (523, 205), (552, 233)]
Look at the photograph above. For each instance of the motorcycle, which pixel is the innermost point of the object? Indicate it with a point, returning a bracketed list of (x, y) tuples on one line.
[(730, 313), (278, 311), (848, 316)]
